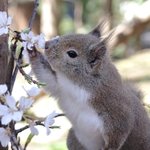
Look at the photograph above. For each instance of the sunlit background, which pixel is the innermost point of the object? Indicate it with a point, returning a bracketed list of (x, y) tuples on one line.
[(130, 49)]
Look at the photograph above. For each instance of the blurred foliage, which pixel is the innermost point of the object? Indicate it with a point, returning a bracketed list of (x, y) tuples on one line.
[(93, 11), (61, 145), (118, 53)]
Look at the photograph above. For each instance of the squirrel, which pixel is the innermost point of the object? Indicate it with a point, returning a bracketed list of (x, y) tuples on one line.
[(106, 113)]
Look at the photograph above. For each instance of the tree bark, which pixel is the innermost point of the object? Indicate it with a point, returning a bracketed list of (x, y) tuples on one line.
[(50, 17), (108, 13), (3, 53), (3, 48), (78, 13)]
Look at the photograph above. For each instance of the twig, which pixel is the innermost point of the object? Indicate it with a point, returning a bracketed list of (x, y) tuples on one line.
[(36, 4), (29, 138), (36, 124), (11, 61), (59, 115), (10, 69), (13, 78), (29, 78), (15, 143), (39, 123)]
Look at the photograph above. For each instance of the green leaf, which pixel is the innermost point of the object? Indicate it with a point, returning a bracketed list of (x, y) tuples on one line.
[(28, 140), (27, 30)]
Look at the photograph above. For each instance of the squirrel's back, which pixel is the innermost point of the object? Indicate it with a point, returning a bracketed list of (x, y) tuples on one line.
[(105, 112)]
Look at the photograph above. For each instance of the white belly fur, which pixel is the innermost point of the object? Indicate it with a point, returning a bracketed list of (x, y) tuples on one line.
[(88, 126)]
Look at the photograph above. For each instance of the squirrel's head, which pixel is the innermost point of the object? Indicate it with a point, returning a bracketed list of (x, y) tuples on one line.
[(77, 54)]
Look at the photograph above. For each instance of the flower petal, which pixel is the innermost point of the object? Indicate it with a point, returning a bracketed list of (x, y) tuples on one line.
[(30, 45), (9, 20), (34, 91), (3, 110), (23, 36), (17, 116), (4, 138), (33, 129), (10, 101), (24, 44), (31, 35), (49, 121), (3, 89), (6, 119), (3, 30), (3, 18), (48, 131), (4, 22), (40, 41), (25, 103)]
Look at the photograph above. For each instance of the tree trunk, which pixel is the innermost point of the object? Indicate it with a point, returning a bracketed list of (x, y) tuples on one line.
[(3, 53), (3, 48), (78, 12), (50, 17), (108, 13), (23, 11)]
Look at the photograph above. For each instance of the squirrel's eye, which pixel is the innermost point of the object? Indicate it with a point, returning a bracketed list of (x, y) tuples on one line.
[(72, 54)]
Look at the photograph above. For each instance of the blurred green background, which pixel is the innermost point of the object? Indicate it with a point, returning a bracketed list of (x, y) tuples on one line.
[(129, 48)]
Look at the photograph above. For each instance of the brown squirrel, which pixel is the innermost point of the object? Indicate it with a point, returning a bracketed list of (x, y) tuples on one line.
[(105, 112)]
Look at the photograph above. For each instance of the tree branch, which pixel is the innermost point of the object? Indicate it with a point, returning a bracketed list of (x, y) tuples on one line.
[(125, 31), (3, 54), (36, 4)]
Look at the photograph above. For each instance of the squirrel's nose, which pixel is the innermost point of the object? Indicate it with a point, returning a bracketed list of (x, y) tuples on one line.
[(51, 42)]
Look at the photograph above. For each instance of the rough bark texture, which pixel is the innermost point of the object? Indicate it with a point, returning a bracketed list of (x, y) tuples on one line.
[(3, 47), (3, 53)]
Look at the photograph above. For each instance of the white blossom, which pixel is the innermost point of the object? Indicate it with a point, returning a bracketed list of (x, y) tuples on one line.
[(4, 136), (9, 111), (39, 41), (5, 21), (49, 121), (25, 103), (34, 91), (3, 89), (33, 129), (30, 40)]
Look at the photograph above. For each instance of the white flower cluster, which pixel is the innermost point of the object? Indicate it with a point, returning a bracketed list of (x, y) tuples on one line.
[(30, 40), (12, 110), (5, 22)]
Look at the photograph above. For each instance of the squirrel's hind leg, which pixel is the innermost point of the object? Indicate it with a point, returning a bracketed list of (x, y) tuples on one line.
[(72, 142)]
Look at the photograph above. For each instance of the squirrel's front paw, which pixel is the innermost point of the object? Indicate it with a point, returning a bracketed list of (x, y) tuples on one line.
[(32, 53)]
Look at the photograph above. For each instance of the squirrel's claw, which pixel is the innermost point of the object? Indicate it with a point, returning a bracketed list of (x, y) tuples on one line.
[(32, 53)]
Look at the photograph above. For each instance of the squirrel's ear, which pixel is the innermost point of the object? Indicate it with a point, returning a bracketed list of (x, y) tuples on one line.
[(96, 54), (96, 31), (101, 29)]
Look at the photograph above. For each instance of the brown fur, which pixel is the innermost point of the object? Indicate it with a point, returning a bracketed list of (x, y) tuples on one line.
[(126, 123)]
